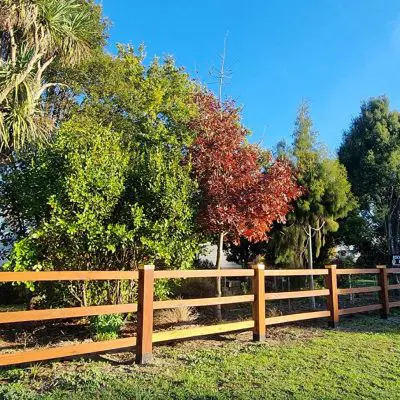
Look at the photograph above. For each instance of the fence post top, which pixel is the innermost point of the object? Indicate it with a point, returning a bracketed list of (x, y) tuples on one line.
[(332, 266), (381, 266), (258, 266), (146, 267)]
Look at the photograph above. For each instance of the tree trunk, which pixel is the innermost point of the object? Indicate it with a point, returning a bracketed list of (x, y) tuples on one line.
[(390, 235), (396, 232), (310, 265), (84, 297), (350, 287), (219, 280), (396, 250)]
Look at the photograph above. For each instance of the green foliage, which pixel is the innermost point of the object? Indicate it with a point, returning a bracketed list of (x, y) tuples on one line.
[(111, 190), (368, 239), (106, 327), (371, 153), (151, 107), (327, 196), (78, 229)]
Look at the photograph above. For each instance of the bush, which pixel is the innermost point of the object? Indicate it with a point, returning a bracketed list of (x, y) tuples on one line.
[(10, 294), (196, 287), (106, 327)]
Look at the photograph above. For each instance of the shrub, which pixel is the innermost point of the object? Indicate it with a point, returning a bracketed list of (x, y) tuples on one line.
[(106, 327), (11, 294), (274, 312), (196, 287)]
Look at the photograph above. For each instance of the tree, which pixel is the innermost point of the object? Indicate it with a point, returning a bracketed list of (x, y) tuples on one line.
[(327, 195), (83, 174), (371, 153), (368, 239), (242, 190), (34, 35), (111, 189), (327, 198)]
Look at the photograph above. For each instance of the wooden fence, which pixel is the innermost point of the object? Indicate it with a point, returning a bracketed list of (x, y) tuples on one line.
[(146, 275)]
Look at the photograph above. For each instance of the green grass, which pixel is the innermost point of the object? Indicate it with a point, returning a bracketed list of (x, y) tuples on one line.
[(360, 360)]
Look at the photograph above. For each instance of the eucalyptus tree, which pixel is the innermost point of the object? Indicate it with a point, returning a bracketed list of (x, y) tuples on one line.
[(34, 36)]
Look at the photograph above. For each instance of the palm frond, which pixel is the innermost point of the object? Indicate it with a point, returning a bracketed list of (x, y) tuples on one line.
[(20, 13), (1, 123), (10, 74), (36, 32), (67, 25), (21, 120), (23, 124)]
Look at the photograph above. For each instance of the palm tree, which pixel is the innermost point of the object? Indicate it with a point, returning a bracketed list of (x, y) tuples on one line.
[(33, 35)]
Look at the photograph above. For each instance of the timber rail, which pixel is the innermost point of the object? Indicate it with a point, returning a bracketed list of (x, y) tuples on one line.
[(145, 306)]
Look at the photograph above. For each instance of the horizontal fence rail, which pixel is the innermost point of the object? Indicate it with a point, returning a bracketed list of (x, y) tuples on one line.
[(145, 306), (201, 331), (42, 276), (295, 272), (66, 351), (296, 295), (297, 317), (357, 271), (358, 290), (355, 310), (205, 301), (202, 273), (63, 313)]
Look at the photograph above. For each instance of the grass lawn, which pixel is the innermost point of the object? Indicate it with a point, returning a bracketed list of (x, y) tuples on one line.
[(359, 360)]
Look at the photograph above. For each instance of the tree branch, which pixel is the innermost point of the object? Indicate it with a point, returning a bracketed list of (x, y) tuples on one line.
[(13, 45), (45, 87), (41, 69), (20, 77), (318, 229)]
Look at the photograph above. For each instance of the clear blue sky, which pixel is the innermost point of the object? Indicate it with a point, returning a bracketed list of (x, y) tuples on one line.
[(335, 53)]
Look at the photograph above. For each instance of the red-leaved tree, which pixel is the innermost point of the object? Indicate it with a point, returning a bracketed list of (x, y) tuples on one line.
[(242, 193)]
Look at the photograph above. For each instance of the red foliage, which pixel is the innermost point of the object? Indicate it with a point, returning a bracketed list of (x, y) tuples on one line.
[(239, 198)]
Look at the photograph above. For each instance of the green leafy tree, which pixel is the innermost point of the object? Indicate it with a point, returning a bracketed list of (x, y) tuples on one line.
[(366, 238), (112, 189), (152, 107), (371, 153), (86, 166)]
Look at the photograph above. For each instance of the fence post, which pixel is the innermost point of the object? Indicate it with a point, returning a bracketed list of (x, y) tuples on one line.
[(333, 298), (384, 294), (258, 288), (144, 340)]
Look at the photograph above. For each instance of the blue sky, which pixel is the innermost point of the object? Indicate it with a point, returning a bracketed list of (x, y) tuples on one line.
[(334, 53)]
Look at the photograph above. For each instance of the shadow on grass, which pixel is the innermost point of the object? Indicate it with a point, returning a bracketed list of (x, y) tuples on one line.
[(369, 322)]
